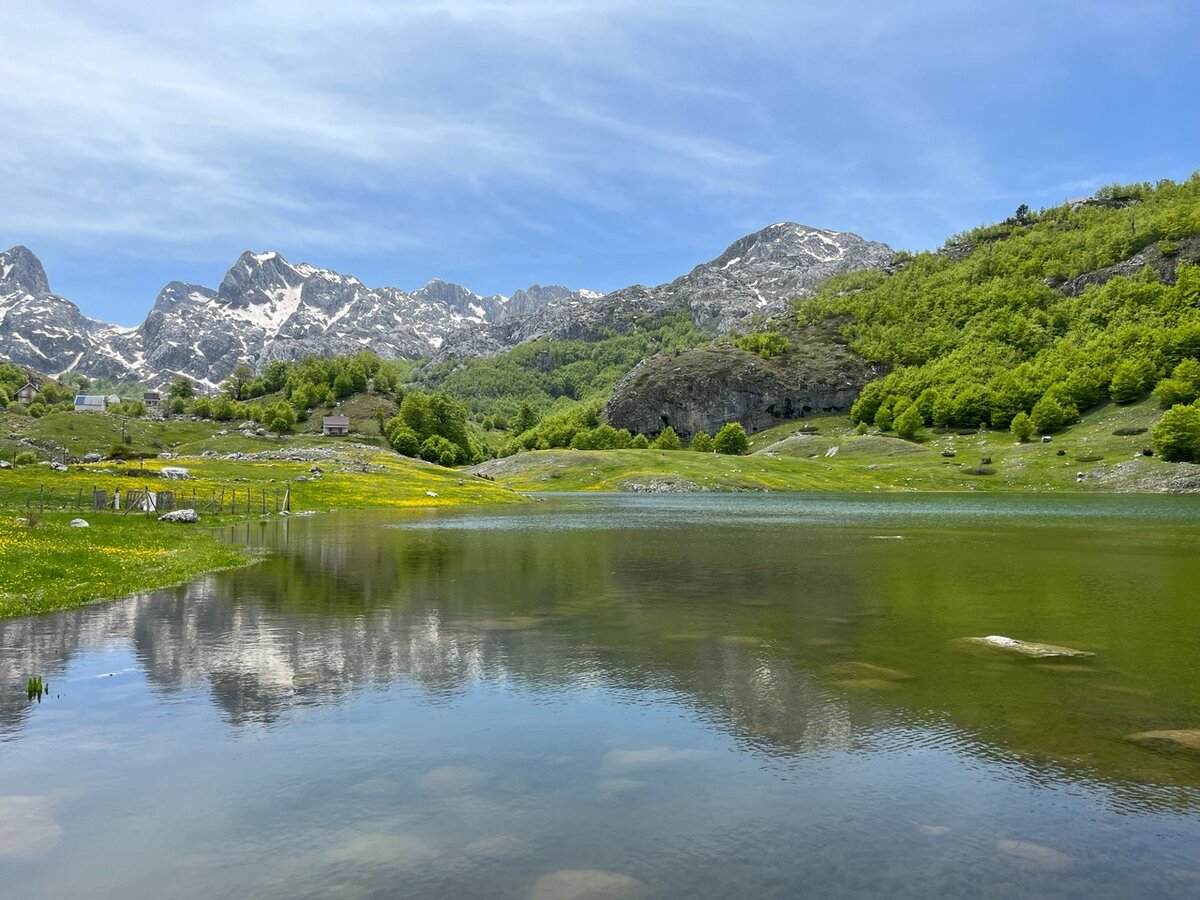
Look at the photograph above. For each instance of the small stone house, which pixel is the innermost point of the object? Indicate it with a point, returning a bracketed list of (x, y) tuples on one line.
[(152, 399), (90, 403), (26, 394), (335, 425)]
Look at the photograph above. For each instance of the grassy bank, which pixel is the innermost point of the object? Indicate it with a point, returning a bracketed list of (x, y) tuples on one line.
[(832, 457), (52, 566)]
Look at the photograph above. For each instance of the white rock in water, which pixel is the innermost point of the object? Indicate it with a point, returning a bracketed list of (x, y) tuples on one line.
[(1026, 648), (177, 472), (181, 515), (79, 523), (587, 884)]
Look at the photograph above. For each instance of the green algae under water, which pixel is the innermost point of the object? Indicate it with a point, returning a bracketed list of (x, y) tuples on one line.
[(677, 697)]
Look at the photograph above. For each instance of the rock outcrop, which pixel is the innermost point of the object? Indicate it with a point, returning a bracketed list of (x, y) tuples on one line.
[(701, 390), (1185, 252)]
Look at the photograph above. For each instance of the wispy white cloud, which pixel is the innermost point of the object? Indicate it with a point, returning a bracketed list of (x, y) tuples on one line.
[(575, 130)]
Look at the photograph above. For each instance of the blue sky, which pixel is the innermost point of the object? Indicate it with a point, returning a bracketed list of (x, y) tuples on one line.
[(594, 143)]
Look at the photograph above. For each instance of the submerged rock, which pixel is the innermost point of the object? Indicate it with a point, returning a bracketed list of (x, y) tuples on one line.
[(587, 884), (1035, 854), (1171, 739), (1026, 648)]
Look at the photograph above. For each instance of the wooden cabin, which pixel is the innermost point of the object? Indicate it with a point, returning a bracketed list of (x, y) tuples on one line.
[(337, 425)]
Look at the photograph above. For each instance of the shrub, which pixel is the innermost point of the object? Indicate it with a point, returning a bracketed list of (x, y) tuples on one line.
[(639, 442), (602, 437), (279, 417), (402, 438), (25, 458), (731, 440), (907, 423), (1132, 379), (436, 447), (766, 344), (1049, 414), (667, 439), (1022, 427), (1176, 437), (701, 443)]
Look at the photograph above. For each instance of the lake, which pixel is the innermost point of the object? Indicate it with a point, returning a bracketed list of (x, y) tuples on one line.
[(628, 696)]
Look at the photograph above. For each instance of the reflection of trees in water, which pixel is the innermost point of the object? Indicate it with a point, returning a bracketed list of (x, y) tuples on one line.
[(742, 629), (339, 610)]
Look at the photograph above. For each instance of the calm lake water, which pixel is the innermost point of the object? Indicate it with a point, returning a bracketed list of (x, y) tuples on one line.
[(675, 697)]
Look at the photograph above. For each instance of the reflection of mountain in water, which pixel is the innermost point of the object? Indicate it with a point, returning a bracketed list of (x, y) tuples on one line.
[(760, 632), (325, 618)]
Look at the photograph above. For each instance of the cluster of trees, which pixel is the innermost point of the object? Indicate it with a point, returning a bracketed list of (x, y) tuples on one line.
[(433, 427), (767, 344), (553, 375), (579, 427), (982, 336), (286, 391), (314, 380)]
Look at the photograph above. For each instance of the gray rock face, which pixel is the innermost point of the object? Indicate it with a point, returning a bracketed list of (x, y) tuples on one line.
[(1164, 266), (757, 275), (701, 390), (265, 308)]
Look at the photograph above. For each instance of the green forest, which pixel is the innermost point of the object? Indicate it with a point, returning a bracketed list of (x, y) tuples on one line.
[(983, 332)]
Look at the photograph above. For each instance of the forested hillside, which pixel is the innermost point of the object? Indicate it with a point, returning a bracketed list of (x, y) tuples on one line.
[(1048, 314)]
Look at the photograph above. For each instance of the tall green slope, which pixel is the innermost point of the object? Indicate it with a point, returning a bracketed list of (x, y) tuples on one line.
[(1049, 313)]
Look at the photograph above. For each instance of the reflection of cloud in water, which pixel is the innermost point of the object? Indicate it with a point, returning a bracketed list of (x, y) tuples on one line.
[(397, 851), (27, 829), (587, 884), (501, 846), (651, 756), (452, 779), (614, 787)]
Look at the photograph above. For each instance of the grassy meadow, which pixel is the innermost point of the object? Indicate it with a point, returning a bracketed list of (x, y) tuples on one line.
[(823, 453), (50, 565)]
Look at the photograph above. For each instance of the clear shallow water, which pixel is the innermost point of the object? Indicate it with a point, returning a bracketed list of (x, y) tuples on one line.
[(710, 696)]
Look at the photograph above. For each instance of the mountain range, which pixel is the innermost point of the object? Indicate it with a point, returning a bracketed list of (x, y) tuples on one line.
[(268, 308)]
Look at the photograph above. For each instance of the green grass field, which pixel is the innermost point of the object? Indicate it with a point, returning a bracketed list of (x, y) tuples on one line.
[(52, 566), (835, 458)]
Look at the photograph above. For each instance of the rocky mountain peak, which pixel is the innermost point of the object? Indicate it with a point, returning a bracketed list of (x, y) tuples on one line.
[(22, 272), (446, 292), (255, 278)]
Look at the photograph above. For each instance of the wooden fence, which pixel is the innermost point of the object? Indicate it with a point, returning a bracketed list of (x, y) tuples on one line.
[(216, 501)]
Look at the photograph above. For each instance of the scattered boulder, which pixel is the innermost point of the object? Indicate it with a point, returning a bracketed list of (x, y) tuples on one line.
[(1026, 648), (186, 516), (175, 472), (79, 523), (57, 467), (949, 454), (5, 464), (93, 456), (431, 493), (1177, 739)]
